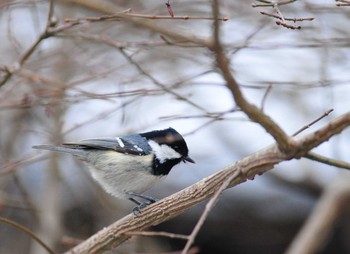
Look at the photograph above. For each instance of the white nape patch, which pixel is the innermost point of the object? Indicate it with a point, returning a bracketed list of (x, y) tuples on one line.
[(163, 152), (120, 142)]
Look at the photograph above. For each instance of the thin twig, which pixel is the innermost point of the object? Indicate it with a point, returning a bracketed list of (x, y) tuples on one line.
[(343, 3), (159, 84), (213, 115), (28, 232), (144, 23), (286, 25), (282, 20), (328, 161), (9, 167), (313, 122), (288, 19), (265, 97), (206, 124), (117, 17), (271, 4), (209, 206), (153, 233)]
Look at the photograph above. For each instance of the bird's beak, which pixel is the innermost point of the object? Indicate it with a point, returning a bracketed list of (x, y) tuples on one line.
[(187, 158)]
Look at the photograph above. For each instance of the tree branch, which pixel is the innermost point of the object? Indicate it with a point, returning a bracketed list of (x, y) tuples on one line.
[(315, 231), (253, 112)]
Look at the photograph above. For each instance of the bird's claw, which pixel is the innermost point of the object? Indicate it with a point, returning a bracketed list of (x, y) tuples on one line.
[(137, 210), (149, 200)]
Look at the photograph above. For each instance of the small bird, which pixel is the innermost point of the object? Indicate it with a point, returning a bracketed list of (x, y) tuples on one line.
[(127, 166)]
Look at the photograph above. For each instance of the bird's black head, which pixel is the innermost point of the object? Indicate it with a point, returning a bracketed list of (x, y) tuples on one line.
[(169, 148)]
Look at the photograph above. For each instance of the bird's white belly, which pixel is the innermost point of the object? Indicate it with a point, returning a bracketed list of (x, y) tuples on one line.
[(118, 177)]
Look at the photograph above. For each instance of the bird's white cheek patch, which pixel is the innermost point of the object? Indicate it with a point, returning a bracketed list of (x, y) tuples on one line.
[(163, 152)]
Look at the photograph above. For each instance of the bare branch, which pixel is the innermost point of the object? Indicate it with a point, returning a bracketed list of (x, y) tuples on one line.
[(282, 20), (265, 97), (117, 17), (342, 3), (323, 218), (281, 23), (271, 4), (288, 19), (251, 110)]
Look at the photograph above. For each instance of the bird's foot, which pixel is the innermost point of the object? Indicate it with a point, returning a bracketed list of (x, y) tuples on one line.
[(137, 209), (140, 205)]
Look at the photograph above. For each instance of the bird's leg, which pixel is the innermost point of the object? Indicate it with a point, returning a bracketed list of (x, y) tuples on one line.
[(141, 205), (148, 198)]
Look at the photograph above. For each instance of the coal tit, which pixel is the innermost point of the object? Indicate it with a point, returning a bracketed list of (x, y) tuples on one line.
[(127, 166)]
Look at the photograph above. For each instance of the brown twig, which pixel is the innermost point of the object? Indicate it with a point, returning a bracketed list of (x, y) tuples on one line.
[(271, 4), (343, 3), (153, 233), (286, 25), (114, 17), (159, 84), (327, 161), (169, 9), (209, 206), (288, 19), (9, 167), (28, 232), (251, 110), (265, 97), (145, 23), (282, 20), (313, 122)]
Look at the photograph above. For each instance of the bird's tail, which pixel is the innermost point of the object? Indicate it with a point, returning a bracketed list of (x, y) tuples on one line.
[(63, 149)]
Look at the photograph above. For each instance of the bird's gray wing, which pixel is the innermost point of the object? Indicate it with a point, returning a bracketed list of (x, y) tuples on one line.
[(133, 144)]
